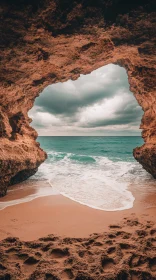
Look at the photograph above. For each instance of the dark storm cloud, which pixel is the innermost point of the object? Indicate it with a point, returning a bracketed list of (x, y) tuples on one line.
[(67, 98), (100, 99), (118, 120), (130, 114)]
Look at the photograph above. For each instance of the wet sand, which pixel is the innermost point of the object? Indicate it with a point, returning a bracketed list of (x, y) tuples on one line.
[(61, 216), (55, 238)]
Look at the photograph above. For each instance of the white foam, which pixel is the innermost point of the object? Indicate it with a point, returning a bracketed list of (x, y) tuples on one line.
[(96, 185), (40, 192), (102, 184)]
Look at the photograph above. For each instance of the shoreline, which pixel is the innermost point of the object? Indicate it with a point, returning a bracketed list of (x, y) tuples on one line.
[(59, 215), (53, 237)]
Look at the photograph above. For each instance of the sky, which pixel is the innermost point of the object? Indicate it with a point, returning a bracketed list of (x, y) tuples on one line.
[(99, 103)]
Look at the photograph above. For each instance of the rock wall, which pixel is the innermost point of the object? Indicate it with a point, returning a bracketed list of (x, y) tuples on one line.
[(44, 42)]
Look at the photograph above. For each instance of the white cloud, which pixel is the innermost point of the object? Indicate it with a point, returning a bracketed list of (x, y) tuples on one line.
[(45, 119), (94, 104)]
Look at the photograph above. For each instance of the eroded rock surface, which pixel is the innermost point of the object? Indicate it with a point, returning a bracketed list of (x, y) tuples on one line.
[(44, 42)]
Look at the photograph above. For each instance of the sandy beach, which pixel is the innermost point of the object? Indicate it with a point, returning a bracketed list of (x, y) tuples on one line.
[(62, 216), (53, 237)]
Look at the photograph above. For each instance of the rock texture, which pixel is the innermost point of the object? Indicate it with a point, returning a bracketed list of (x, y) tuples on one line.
[(117, 255), (44, 42)]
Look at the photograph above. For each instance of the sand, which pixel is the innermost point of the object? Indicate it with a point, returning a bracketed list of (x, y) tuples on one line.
[(74, 241)]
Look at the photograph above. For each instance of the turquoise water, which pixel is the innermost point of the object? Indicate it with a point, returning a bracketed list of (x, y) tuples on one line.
[(94, 171), (84, 149), (99, 172)]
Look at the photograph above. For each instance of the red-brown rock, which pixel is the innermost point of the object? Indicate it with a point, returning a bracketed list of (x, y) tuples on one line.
[(43, 42)]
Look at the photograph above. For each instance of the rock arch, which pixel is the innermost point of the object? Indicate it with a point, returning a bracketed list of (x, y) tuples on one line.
[(43, 42)]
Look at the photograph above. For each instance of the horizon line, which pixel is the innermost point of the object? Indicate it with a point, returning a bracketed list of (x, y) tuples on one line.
[(89, 136)]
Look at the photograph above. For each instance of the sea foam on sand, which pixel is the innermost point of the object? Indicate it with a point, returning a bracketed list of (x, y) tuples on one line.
[(95, 181)]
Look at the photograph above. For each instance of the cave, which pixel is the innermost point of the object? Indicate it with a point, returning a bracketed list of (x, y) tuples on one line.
[(45, 42)]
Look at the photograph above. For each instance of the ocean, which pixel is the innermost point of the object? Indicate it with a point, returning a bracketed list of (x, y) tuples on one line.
[(96, 171)]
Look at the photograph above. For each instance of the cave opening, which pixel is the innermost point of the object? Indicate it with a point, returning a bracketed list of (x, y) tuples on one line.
[(97, 104), (89, 127)]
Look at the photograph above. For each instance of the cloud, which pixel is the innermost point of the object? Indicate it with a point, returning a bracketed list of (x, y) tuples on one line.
[(121, 109), (68, 97), (43, 119), (99, 100)]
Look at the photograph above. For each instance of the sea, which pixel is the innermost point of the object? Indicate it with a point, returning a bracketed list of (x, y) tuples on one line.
[(97, 171)]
